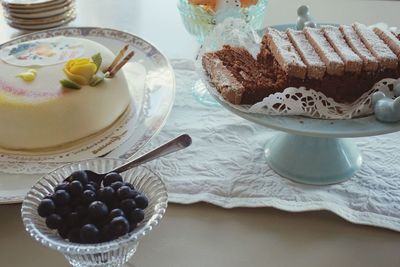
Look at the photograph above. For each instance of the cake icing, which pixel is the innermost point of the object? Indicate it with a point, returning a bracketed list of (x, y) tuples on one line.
[(41, 113)]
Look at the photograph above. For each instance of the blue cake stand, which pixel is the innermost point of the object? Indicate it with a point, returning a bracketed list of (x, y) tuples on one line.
[(313, 151)]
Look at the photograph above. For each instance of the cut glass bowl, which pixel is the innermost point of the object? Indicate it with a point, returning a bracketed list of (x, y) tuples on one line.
[(113, 253)]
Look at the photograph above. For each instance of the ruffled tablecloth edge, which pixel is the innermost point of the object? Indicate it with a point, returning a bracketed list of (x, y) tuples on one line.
[(352, 216)]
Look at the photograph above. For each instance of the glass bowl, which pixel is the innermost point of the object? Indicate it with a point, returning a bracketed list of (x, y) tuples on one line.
[(113, 253), (200, 20)]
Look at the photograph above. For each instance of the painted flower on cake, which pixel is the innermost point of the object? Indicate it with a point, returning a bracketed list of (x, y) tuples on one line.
[(80, 70)]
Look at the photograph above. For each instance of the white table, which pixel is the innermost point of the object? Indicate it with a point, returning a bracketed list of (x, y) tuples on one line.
[(204, 235)]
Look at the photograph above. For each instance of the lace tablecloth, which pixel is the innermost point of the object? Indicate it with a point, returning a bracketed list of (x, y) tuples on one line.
[(225, 166)]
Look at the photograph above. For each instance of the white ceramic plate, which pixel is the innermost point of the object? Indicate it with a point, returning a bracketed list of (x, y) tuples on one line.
[(153, 103), (41, 21), (31, 3), (41, 13), (35, 27)]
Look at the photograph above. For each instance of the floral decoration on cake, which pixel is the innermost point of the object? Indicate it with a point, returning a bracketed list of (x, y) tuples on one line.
[(85, 71)]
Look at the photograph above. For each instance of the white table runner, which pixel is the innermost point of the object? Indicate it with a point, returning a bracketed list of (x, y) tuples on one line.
[(225, 166)]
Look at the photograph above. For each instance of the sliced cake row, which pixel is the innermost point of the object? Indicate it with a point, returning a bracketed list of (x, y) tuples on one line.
[(341, 62)]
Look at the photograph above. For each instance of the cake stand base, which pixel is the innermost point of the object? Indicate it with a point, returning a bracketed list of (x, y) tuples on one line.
[(313, 160), (201, 94)]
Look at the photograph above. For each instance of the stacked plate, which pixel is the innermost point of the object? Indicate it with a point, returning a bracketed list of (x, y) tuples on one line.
[(38, 14)]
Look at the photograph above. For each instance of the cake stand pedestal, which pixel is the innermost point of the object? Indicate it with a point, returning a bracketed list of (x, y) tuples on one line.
[(313, 160)]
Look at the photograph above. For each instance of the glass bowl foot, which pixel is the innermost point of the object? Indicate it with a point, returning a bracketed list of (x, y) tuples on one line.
[(201, 94), (313, 160), (114, 258)]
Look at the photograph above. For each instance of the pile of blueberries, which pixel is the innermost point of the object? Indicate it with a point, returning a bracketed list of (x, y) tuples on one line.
[(87, 209)]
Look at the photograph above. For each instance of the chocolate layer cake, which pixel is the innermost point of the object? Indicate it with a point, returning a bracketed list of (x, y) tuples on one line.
[(239, 77), (341, 62)]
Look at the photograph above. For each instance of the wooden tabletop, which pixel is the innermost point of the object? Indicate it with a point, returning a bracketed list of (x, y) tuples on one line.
[(201, 234)]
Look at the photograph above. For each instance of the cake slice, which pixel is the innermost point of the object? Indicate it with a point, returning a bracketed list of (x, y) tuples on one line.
[(334, 64), (387, 59), (284, 52), (238, 77), (315, 67), (390, 40), (370, 63), (352, 62)]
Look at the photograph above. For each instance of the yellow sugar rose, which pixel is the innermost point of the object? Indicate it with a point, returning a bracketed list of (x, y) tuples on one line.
[(80, 70)]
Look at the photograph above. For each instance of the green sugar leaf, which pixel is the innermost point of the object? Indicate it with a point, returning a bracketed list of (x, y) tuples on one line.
[(96, 79), (97, 60), (70, 84)]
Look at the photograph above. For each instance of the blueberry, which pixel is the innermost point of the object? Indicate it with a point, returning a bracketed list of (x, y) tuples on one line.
[(135, 193), (89, 233), (61, 197), (128, 205), (48, 196), (75, 188), (62, 186), (132, 226), (141, 201), (116, 213), (113, 204), (74, 235), (136, 216), (46, 207), (98, 210), (124, 192), (88, 196), (116, 185), (53, 221), (73, 220), (112, 178), (129, 185), (90, 187), (105, 233), (87, 220), (75, 201), (63, 231), (95, 185), (80, 176), (82, 210), (105, 194), (119, 226), (94, 177), (63, 211)]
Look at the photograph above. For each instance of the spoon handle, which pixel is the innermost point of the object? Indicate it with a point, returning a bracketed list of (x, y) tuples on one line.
[(174, 145)]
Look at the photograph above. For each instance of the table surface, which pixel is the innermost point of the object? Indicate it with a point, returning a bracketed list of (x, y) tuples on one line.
[(205, 235)]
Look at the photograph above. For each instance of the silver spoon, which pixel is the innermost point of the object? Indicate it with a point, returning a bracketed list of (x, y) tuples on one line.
[(174, 145)]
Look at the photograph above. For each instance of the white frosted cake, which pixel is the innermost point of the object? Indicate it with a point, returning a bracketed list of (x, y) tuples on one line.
[(37, 111)]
